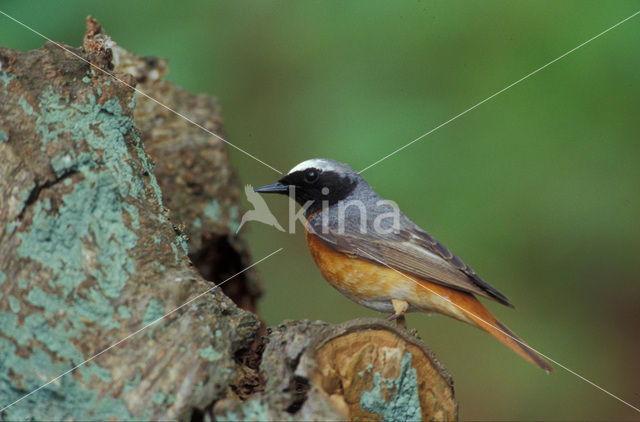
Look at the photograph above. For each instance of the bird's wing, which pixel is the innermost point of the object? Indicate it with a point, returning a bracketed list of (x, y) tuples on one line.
[(411, 251)]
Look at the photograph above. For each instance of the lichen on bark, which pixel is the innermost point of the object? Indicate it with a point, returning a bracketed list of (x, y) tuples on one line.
[(89, 255)]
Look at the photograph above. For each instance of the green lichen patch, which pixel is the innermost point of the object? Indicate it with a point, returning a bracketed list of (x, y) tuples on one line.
[(97, 214), (93, 210), (153, 312), (84, 240), (65, 399), (3, 136), (251, 410), (210, 353), (9, 327), (176, 256), (57, 338), (395, 399), (212, 210), (91, 370), (57, 241), (158, 398), (130, 384), (182, 241), (11, 227), (124, 312), (14, 304), (5, 78), (103, 127), (26, 107)]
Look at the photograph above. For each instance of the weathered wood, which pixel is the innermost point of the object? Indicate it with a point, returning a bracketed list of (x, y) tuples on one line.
[(200, 188), (192, 168), (365, 369), (374, 370), (89, 253)]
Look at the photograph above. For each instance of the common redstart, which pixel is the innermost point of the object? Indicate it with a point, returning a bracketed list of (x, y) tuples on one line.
[(373, 254)]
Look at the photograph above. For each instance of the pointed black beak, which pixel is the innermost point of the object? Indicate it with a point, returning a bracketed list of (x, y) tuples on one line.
[(277, 187)]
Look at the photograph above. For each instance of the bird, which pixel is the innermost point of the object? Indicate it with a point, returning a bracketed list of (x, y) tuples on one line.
[(373, 254), (260, 212)]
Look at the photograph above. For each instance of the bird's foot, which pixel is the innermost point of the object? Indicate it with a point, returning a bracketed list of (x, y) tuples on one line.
[(400, 307), (400, 320)]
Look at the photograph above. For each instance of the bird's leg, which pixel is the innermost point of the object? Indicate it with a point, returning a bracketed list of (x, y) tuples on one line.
[(400, 307)]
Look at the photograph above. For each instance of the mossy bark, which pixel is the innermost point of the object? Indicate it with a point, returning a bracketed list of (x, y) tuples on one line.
[(90, 253)]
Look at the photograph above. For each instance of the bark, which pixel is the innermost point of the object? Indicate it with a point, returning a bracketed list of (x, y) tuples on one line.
[(90, 253)]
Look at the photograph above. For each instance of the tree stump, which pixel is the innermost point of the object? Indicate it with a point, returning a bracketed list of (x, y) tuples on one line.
[(374, 370), (115, 213)]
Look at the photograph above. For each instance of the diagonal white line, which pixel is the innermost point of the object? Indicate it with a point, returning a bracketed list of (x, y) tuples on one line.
[(140, 92), (138, 331), (499, 92), (507, 334)]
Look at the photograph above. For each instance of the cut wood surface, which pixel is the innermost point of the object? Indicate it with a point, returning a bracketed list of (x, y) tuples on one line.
[(114, 211), (374, 370)]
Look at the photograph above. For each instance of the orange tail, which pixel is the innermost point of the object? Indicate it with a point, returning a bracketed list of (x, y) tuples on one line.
[(433, 298), (483, 319)]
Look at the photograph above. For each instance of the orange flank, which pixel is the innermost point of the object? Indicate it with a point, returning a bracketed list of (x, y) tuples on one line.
[(374, 285)]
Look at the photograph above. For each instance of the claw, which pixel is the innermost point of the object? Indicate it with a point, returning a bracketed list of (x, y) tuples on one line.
[(400, 307)]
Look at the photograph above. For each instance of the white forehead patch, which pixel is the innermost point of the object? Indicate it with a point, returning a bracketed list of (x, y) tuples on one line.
[(318, 163)]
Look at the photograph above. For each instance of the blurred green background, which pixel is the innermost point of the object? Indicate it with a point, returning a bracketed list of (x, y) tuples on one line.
[(537, 189)]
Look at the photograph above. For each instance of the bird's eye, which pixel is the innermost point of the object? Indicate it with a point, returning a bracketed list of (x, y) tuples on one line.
[(311, 176)]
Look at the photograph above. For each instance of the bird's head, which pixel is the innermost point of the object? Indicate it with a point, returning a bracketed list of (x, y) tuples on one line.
[(316, 180)]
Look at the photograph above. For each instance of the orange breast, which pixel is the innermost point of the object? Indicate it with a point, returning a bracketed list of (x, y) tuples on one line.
[(374, 285)]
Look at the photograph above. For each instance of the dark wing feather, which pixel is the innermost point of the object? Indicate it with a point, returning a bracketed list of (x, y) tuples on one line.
[(412, 251)]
